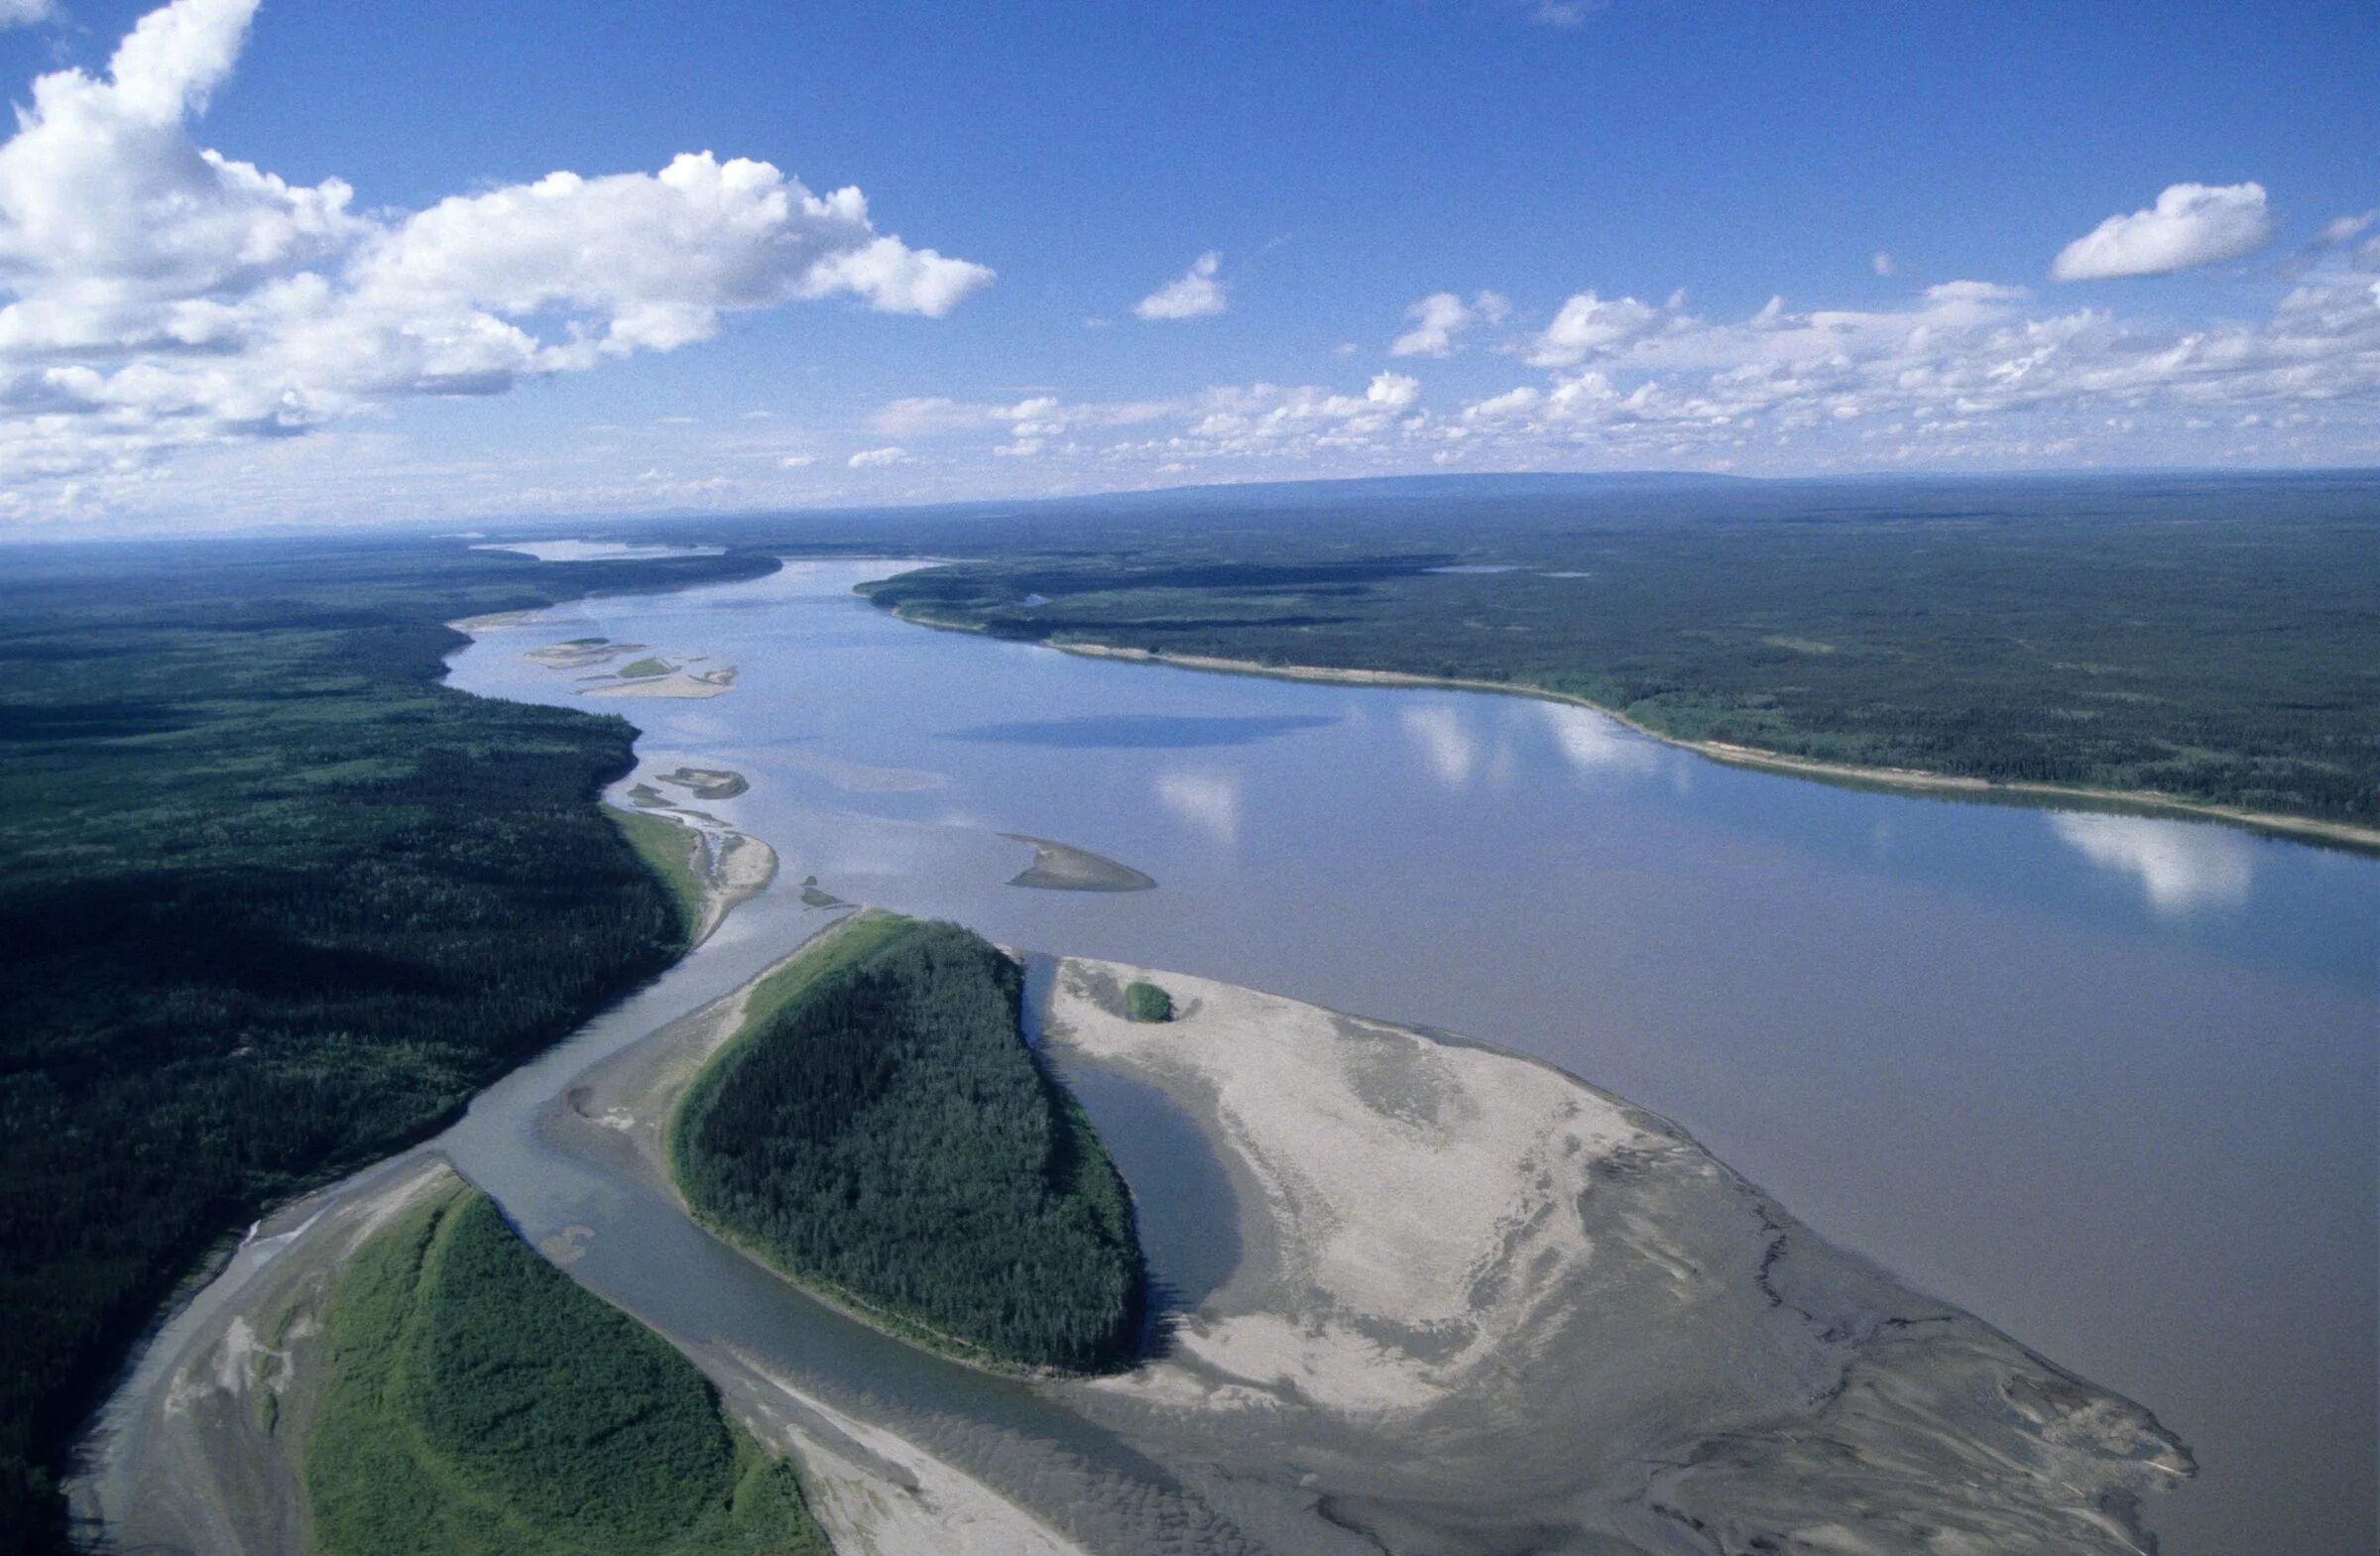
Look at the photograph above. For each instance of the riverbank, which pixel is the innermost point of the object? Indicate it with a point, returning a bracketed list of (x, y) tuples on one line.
[(2304, 829), (1482, 1302)]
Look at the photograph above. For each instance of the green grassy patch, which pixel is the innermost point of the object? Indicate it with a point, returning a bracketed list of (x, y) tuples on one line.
[(879, 1130), (644, 668), (481, 1401), (1145, 1002), (669, 850)]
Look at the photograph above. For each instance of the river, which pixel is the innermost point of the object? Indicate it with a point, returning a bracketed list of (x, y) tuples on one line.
[(2107, 1082)]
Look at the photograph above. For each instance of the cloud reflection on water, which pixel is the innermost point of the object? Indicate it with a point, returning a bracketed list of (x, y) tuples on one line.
[(1209, 801), (2182, 866)]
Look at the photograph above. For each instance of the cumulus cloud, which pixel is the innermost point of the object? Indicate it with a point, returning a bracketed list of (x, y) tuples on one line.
[(2190, 224), (1195, 293), (878, 458), (19, 12), (1589, 325), (1969, 368), (1439, 317), (163, 294)]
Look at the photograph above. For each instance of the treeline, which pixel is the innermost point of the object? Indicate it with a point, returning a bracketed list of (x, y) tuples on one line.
[(2214, 638), (885, 1132), (478, 1400), (272, 902)]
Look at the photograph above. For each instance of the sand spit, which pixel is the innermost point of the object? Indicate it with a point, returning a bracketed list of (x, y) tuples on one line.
[(733, 867), (707, 782), (1483, 1307), (580, 653), (677, 683), (494, 621), (877, 1494), (1062, 867), (209, 1459)]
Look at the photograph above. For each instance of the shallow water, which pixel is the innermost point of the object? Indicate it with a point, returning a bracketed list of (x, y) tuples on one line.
[(2110, 1083)]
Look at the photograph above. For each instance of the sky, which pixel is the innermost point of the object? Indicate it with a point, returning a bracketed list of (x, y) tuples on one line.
[(354, 262)]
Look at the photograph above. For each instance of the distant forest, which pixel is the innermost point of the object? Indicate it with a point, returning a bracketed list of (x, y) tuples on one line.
[(2215, 638), (272, 902), (884, 1132)]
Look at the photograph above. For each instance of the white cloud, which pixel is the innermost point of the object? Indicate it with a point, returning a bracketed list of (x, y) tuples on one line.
[(1195, 293), (2342, 230), (20, 13), (1564, 13), (165, 296), (1967, 371), (878, 458), (1589, 326), (1439, 317), (2181, 866), (1882, 263), (796, 462), (2190, 224), (1394, 390)]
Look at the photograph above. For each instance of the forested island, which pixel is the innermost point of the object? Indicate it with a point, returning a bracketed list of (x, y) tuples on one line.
[(273, 902), (880, 1129), (480, 1402)]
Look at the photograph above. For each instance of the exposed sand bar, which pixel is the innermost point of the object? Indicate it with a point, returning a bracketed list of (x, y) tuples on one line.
[(1482, 1306), (202, 1451), (690, 684), (733, 867), (1062, 867)]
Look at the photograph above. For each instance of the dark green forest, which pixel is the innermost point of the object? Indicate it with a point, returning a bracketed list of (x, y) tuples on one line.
[(882, 1130), (273, 902), (479, 1402), (2215, 638)]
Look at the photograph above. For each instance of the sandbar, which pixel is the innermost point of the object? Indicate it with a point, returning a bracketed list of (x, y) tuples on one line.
[(1062, 867)]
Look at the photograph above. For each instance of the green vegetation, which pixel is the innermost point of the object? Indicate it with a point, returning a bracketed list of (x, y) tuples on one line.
[(669, 850), (639, 669), (271, 902), (2212, 639), (1145, 1002), (880, 1129), (481, 1401)]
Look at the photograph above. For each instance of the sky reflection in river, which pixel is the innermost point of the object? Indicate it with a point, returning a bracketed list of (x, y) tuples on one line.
[(2108, 1082)]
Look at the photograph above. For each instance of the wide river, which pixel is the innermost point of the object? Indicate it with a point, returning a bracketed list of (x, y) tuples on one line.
[(2110, 1083)]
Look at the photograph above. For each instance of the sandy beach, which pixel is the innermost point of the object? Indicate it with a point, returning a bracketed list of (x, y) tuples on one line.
[(1481, 1302)]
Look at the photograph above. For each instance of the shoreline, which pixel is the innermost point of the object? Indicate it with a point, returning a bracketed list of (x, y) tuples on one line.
[(2296, 829), (1915, 780)]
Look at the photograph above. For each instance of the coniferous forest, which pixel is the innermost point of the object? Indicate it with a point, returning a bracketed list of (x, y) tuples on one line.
[(273, 902), (886, 1133)]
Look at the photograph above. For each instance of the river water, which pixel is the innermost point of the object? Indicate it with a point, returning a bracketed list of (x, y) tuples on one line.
[(2110, 1083)]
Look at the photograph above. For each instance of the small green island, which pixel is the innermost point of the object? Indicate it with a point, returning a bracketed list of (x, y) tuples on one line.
[(479, 1401), (1145, 1002), (878, 1131), (650, 666)]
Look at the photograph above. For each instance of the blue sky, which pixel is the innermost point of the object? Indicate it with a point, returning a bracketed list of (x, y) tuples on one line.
[(1604, 199)]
